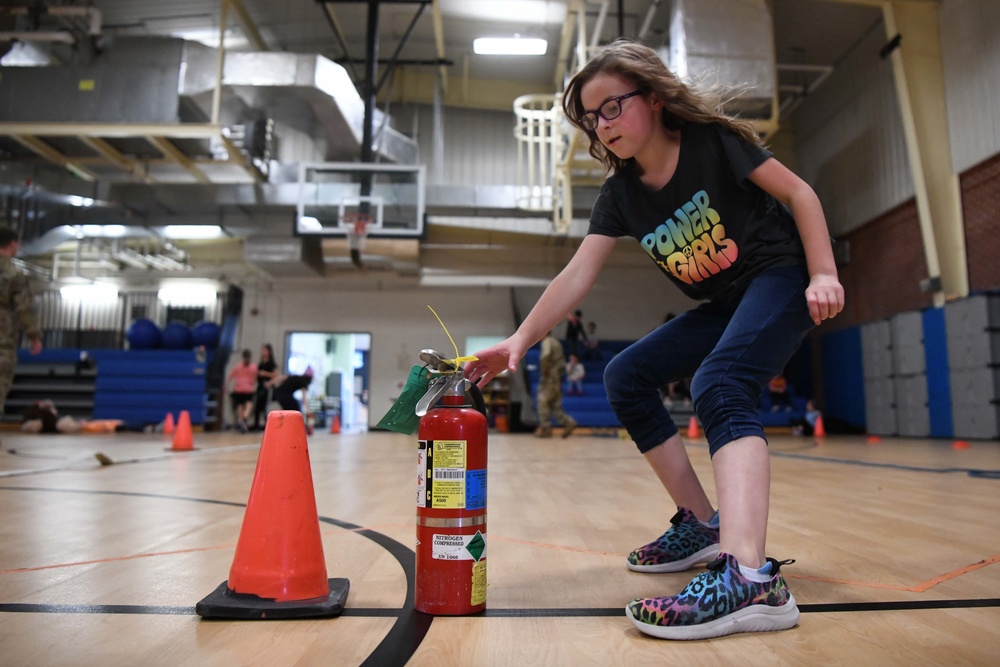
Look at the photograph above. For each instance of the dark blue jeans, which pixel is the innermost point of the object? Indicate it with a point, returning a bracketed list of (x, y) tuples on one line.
[(732, 347)]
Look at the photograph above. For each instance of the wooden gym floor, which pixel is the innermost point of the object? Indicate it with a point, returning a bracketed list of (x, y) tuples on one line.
[(897, 547)]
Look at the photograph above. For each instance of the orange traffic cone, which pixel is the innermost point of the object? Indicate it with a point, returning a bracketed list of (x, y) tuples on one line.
[(168, 424), (960, 444), (279, 570), (693, 427), (819, 431), (183, 441), (335, 424)]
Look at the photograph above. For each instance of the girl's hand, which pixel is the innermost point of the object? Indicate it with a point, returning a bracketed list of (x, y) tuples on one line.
[(825, 297), (494, 360)]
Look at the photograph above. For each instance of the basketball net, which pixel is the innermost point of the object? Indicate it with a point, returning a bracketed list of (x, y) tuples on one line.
[(357, 230)]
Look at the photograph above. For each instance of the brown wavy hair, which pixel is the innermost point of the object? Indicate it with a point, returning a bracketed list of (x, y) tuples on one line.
[(682, 104)]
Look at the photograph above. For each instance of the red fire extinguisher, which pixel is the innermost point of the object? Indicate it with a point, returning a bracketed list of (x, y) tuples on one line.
[(451, 495)]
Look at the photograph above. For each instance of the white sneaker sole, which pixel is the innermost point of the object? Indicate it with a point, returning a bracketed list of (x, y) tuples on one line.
[(755, 618), (706, 555)]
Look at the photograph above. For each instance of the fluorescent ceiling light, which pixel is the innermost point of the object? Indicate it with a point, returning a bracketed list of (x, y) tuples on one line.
[(193, 232), (509, 46), (84, 202), (105, 231), (91, 293)]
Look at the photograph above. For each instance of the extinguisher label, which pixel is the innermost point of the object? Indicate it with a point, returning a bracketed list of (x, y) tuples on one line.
[(478, 583), (459, 547), (422, 473), (441, 474)]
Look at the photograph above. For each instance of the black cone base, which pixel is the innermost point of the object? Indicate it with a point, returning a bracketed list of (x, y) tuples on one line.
[(226, 604)]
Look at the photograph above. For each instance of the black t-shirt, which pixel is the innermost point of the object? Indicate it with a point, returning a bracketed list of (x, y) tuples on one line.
[(710, 229), (268, 366)]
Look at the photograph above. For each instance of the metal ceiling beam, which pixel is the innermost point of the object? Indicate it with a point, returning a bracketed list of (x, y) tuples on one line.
[(169, 150), (114, 130), (94, 135), (248, 25), (46, 151), (439, 43), (111, 154)]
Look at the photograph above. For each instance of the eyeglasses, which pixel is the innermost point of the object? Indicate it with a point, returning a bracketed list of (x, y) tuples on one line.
[(608, 111)]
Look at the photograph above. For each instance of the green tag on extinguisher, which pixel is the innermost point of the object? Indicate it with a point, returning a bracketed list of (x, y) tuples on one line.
[(402, 416)]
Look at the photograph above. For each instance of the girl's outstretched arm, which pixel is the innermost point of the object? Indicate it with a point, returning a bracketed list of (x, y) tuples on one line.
[(564, 292)]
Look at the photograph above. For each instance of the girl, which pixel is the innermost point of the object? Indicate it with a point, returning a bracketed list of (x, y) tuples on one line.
[(244, 379), (267, 369), (728, 224)]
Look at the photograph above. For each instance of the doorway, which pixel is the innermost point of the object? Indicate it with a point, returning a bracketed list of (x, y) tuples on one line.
[(340, 364)]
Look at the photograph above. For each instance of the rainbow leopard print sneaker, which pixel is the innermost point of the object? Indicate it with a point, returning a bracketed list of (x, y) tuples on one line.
[(720, 601), (687, 542)]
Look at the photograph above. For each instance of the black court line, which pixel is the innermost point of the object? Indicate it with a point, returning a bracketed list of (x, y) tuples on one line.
[(971, 472), (564, 612)]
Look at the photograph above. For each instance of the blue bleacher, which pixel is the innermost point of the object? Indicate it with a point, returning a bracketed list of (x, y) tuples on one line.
[(593, 410), (138, 387)]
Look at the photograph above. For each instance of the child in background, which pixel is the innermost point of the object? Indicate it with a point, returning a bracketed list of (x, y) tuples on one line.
[(806, 425), (244, 379), (575, 372)]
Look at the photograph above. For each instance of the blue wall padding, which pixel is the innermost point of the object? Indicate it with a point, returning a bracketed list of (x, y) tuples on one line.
[(843, 376), (938, 381), (141, 386), (59, 355), (150, 384)]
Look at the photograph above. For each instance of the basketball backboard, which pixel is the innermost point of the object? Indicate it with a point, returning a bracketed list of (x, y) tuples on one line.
[(333, 195)]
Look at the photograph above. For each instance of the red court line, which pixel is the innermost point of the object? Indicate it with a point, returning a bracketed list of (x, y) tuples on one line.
[(116, 559), (930, 583), (552, 546), (917, 588)]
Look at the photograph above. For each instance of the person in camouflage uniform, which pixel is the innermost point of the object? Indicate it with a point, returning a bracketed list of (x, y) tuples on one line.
[(17, 313), (552, 362)]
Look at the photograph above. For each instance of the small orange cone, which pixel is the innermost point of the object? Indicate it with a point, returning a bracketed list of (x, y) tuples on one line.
[(874, 440), (819, 431), (693, 427), (183, 440), (335, 424), (168, 424), (279, 570), (960, 444)]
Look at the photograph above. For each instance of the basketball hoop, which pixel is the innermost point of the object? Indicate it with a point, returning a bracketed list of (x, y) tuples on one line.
[(356, 225)]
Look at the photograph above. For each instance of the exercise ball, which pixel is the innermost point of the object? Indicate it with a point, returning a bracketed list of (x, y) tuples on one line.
[(143, 334), (206, 334), (177, 336)]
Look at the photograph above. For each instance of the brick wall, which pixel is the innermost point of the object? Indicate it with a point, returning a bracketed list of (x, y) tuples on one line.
[(885, 269), (981, 210), (887, 263)]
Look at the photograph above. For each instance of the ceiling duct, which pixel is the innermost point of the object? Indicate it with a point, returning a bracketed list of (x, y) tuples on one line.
[(304, 91), (152, 80), (285, 256), (729, 43)]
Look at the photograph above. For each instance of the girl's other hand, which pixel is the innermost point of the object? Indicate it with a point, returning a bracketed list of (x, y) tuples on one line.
[(825, 297)]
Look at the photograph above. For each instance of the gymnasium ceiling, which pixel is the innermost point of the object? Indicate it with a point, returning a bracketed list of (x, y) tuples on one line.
[(425, 38)]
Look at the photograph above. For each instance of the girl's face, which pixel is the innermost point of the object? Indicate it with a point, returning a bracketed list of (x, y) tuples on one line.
[(626, 134), (264, 354)]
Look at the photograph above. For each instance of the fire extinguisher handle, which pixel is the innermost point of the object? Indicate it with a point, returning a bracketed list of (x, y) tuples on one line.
[(477, 397), (438, 386)]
